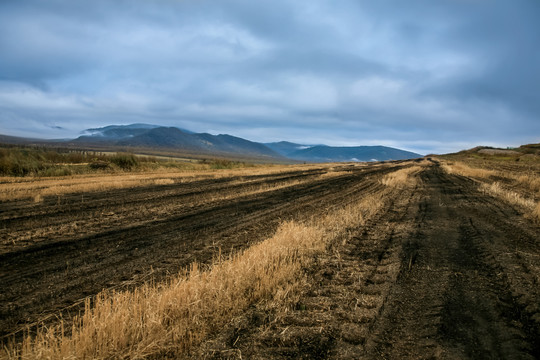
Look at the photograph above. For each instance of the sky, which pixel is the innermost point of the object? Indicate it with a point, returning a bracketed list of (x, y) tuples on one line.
[(421, 75)]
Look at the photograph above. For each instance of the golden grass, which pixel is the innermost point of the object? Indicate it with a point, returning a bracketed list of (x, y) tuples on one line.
[(29, 188), (166, 181), (536, 212), (530, 184), (167, 319), (512, 197), (331, 174), (529, 181), (467, 171), (402, 177)]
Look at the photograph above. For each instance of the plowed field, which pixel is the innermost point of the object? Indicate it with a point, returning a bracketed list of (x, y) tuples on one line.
[(444, 271), (55, 253)]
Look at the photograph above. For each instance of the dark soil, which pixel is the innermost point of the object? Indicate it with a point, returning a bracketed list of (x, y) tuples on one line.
[(56, 253), (444, 272)]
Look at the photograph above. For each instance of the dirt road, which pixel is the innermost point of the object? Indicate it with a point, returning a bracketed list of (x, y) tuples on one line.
[(444, 272)]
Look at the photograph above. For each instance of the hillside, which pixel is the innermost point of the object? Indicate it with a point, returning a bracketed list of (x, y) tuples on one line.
[(528, 153), (286, 148), (322, 153), (172, 138)]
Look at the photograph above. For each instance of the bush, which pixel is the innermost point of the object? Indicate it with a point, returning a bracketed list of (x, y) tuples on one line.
[(99, 165), (125, 161), (222, 164)]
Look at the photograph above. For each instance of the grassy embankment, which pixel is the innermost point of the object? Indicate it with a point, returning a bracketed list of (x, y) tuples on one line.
[(513, 176), (167, 319)]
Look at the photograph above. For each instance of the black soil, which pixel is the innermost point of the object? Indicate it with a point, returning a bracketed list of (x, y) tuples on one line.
[(56, 253), (444, 272)]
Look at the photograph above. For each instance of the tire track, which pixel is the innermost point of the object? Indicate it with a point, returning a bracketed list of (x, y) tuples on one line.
[(348, 287), (455, 301), (45, 278)]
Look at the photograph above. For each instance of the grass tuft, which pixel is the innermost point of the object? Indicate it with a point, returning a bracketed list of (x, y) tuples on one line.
[(401, 178), (511, 197), (536, 212)]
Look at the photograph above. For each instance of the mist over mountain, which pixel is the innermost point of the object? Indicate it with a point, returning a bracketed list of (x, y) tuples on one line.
[(286, 148), (152, 136), (148, 137), (118, 132)]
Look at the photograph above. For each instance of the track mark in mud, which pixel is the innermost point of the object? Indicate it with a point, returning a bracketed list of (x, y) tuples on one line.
[(455, 301), (444, 272), (43, 278), (347, 289)]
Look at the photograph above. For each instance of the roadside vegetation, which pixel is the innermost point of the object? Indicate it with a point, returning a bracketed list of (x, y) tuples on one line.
[(403, 177), (512, 175)]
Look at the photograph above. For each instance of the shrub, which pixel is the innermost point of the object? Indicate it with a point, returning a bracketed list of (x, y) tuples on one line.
[(125, 161), (99, 165)]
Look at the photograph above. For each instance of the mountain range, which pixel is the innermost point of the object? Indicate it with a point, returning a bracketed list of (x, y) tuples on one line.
[(324, 153), (144, 136)]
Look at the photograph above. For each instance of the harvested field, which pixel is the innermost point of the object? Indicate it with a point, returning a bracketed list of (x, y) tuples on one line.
[(59, 251), (431, 265)]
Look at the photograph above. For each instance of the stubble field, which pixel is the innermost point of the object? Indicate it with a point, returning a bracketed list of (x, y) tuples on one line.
[(418, 259)]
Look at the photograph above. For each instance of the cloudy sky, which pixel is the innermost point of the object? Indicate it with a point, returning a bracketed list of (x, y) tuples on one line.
[(422, 75)]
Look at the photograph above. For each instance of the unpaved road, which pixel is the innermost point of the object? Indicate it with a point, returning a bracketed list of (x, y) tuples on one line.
[(444, 272), (56, 253)]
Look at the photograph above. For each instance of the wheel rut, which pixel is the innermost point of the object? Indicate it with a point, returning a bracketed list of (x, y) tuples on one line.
[(452, 298), (347, 290), (42, 278)]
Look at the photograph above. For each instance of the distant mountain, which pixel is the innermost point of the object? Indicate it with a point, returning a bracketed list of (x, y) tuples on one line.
[(323, 153), (158, 138), (117, 132), (286, 148), (150, 136)]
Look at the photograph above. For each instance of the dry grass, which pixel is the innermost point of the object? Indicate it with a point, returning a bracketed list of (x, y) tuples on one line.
[(536, 212), (512, 197), (529, 181), (532, 182), (29, 188), (402, 177), (169, 318), (528, 184), (331, 174), (165, 320), (467, 171), (165, 181)]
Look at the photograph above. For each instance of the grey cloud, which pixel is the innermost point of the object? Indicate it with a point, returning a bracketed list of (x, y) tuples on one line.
[(426, 74)]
